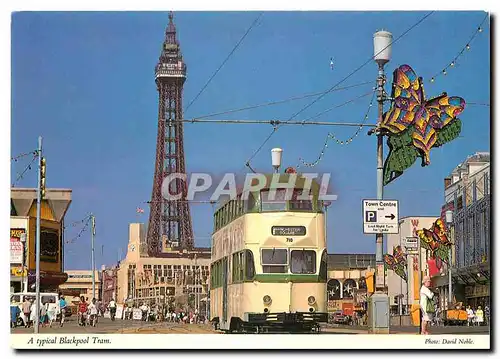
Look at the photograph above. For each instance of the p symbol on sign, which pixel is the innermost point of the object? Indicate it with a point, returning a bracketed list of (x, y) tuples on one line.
[(371, 216)]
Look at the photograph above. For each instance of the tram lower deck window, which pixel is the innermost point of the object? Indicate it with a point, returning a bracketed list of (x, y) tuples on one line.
[(274, 260), (303, 261)]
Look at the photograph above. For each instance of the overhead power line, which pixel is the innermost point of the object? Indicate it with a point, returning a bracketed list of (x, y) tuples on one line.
[(224, 62), (273, 122), (340, 82), (278, 102)]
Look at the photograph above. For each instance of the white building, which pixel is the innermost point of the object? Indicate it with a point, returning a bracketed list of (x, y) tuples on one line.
[(396, 286)]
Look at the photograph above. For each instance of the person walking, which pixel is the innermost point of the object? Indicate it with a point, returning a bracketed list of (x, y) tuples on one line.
[(479, 316), (26, 312), (426, 304), (62, 310), (51, 312), (82, 311), (93, 312), (14, 313), (112, 309), (470, 316)]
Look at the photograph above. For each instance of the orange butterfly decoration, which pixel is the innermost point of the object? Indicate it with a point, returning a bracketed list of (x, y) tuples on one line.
[(435, 240)]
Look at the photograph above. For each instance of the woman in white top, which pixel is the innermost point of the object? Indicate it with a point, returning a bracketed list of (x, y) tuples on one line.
[(426, 296), (93, 312)]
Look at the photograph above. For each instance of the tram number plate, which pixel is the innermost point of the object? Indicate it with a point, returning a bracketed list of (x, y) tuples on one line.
[(288, 230)]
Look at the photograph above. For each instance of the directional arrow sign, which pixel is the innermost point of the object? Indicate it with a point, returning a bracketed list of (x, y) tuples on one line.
[(380, 216)]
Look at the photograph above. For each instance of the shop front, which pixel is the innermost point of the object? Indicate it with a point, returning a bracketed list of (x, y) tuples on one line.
[(49, 281)]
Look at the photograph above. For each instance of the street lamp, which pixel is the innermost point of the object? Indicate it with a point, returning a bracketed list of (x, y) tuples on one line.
[(379, 314), (276, 158), (382, 41), (449, 222)]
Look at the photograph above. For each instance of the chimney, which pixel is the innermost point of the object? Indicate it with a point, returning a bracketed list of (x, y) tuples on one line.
[(447, 182)]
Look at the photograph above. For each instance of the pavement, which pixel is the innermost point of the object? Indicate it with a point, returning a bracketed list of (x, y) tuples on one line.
[(350, 329), (106, 326)]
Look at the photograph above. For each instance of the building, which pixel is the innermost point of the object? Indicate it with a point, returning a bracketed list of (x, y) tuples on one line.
[(80, 283), (178, 278), (23, 214), (468, 196), (346, 285), (109, 283), (403, 294)]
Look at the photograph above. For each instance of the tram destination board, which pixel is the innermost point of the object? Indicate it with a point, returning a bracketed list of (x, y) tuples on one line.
[(288, 230)]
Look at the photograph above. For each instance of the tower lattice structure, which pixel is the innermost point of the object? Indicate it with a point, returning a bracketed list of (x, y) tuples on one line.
[(169, 220)]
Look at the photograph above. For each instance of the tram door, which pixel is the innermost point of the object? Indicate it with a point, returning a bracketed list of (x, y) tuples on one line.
[(224, 288)]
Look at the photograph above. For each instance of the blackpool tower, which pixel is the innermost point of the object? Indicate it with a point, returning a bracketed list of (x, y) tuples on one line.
[(169, 220)]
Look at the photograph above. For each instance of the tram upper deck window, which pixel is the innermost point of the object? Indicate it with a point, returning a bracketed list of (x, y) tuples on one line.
[(274, 260), (270, 203), (299, 204), (303, 261)]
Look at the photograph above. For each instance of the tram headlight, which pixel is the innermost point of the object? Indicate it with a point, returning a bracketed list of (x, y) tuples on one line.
[(311, 300), (267, 300)]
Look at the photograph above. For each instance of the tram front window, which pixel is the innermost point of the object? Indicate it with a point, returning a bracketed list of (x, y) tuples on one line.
[(303, 262), (274, 260)]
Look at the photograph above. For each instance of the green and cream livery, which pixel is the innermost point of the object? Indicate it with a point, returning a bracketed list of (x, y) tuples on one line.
[(269, 268)]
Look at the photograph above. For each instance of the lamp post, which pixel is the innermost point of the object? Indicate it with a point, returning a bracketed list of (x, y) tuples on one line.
[(37, 246), (382, 54), (449, 222), (276, 158), (379, 314)]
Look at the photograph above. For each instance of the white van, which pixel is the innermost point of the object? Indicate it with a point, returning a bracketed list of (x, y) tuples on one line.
[(18, 299)]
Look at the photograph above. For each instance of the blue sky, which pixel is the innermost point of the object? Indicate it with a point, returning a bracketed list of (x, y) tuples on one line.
[(85, 82)]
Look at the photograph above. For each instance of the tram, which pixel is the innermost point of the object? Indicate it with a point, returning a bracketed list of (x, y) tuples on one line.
[(269, 262)]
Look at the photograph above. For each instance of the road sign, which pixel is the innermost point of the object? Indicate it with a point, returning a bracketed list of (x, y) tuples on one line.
[(410, 242), (380, 216)]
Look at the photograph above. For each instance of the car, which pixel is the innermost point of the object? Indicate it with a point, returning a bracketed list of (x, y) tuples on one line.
[(340, 318)]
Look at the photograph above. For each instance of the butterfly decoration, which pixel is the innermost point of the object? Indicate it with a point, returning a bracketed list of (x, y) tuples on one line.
[(435, 240), (414, 124), (396, 262)]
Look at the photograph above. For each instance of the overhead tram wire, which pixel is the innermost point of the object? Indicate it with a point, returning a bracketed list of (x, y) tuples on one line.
[(224, 62), (274, 122), (340, 82), (278, 102)]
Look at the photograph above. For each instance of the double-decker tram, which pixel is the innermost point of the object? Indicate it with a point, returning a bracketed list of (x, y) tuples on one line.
[(269, 262)]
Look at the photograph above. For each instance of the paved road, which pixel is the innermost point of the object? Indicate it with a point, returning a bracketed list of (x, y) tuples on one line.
[(106, 326)]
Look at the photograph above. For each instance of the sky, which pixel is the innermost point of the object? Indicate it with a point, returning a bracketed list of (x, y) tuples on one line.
[(85, 83)]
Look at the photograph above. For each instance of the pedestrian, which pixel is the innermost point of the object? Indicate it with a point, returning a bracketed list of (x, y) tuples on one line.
[(14, 313), (62, 310), (93, 312), (82, 311), (479, 316), (487, 315), (43, 314), (26, 311), (426, 304), (32, 316), (470, 316), (112, 309), (51, 311)]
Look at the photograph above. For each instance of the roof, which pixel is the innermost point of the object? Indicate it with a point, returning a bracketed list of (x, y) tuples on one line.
[(351, 261)]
